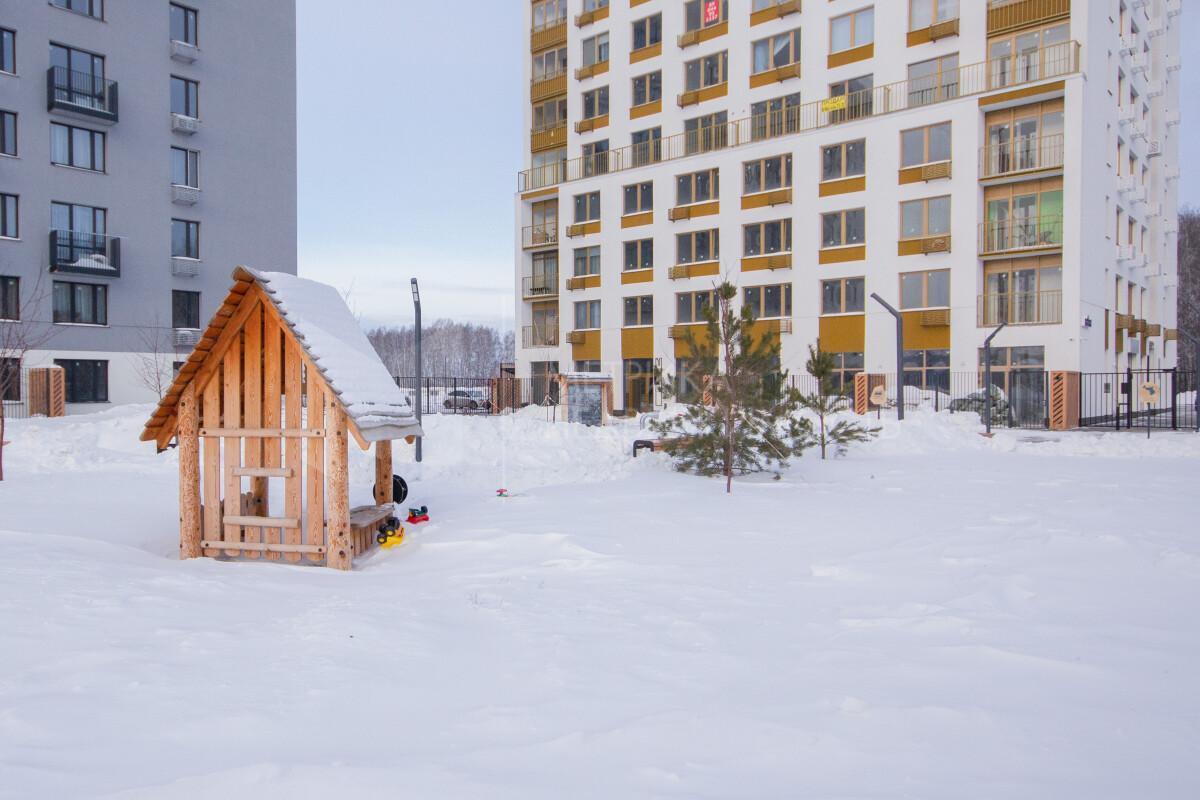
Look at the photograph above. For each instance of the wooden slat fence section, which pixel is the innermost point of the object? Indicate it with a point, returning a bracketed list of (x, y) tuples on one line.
[(293, 455), (315, 470), (272, 405), (252, 376), (211, 483), (231, 446)]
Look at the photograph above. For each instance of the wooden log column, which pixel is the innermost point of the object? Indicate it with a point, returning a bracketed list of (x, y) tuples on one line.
[(383, 472), (189, 474), (338, 500)]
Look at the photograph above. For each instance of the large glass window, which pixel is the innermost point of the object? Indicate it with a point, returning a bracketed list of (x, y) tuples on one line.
[(587, 261), (8, 133), (9, 229), (639, 197), (855, 29), (647, 31), (587, 207), (549, 64), (185, 238), (926, 217), (185, 97), (775, 117), (595, 103), (548, 13), (697, 187), (8, 51), (928, 289), (764, 238), (690, 307), (185, 309), (769, 302), (10, 297), (842, 228), (595, 49), (767, 174), (933, 81), (639, 311), (843, 296), (860, 98), (92, 8), (76, 147), (710, 70), (80, 303), (697, 246), (639, 254), (927, 369), (183, 24), (699, 14), (185, 167), (86, 380), (1029, 56), (706, 132), (926, 145), (925, 13), (647, 88), (587, 315), (844, 160), (775, 51)]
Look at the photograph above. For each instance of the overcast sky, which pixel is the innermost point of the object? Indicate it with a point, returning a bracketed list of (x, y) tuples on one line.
[(410, 141)]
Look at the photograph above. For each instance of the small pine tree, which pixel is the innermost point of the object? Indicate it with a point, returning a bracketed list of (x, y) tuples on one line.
[(741, 415), (828, 401)]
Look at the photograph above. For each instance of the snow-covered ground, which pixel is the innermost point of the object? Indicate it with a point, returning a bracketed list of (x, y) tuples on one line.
[(937, 615)]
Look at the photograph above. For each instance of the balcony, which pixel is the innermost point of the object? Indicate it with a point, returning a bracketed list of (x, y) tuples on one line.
[(539, 236), (1007, 15), (540, 287), (544, 334), (81, 95), (781, 8), (185, 267), (548, 34), (1027, 154), (1020, 308), (1013, 235), (548, 137), (546, 86), (84, 253), (184, 195)]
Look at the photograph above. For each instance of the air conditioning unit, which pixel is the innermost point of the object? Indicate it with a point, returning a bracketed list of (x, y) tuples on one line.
[(1157, 27), (1139, 62), (1172, 118), (184, 52), (186, 337), (185, 267), (184, 124), (1126, 184), (1138, 129), (184, 195), (1127, 114), (1154, 89), (1153, 148), (1172, 63), (1129, 45)]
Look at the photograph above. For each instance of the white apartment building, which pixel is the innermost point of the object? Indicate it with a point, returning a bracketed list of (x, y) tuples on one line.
[(971, 163)]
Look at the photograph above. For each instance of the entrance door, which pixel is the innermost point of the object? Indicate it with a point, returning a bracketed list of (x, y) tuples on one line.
[(639, 384)]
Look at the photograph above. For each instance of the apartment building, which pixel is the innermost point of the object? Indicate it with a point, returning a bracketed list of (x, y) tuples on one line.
[(971, 163), (146, 148)]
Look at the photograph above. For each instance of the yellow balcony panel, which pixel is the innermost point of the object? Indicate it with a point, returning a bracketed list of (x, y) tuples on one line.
[(1009, 15), (777, 75), (770, 261), (645, 53), (1042, 91), (591, 70), (854, 54), (780, 9), (548, 36), (919, 335), (585, 345), (637, 220), (591, 124), (1171, 335), (548, 87), (775, 197), (694, 210), (842, 333), (940, 30), (553, 190), (695, 96), (923, 246), (840, 255), (703, 34), (842, 186), (700, 269), (637, 276), (698, 332), (770, 327), (583, 228), (926, 172), (645, 109), (589, 17), (548, 138), (636, 3), (637, 342), (578, 282), (1153, 329)]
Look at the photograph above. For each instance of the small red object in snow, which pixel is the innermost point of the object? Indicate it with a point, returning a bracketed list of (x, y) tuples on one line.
[(502, 493)]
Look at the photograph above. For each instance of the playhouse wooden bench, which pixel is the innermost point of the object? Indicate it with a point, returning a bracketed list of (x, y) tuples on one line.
[(656, 445), (364, 524)]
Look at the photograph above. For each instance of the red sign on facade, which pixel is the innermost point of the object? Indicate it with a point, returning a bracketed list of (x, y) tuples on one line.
[(712, 11)]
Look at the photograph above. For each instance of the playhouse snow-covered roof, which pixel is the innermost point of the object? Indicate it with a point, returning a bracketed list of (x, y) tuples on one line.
[(330, 336)]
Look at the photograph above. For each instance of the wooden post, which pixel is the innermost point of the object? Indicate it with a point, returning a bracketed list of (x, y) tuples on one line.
[(189, 474), (383, 471), (338, 500)]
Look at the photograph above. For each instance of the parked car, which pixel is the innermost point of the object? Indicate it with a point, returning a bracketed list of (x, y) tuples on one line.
[(472, 399)]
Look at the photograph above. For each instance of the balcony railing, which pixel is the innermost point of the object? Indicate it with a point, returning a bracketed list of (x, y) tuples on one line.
[(1027, 154), (1020, 308), (81, 93), (539, 286), (539, 236), (85, 253), (1006, 15), (1026, 233), (541, 335), (1053, 61)]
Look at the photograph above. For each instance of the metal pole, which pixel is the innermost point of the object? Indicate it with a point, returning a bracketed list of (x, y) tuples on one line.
[(416, 294), (899, 354), (987, 379)]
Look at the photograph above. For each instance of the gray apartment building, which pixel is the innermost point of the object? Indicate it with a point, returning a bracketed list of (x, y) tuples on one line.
[(146, 148)]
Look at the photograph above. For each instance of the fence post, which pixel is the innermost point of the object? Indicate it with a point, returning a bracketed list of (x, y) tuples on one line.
[(1128, 387), (1174, 402)]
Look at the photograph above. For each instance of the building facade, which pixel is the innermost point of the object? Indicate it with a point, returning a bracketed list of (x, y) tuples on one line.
[(971, 163), (148, 148)]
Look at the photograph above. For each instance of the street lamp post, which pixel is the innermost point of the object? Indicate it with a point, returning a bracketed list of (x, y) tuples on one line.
[(899, 353), (987, 378), (416, 294)]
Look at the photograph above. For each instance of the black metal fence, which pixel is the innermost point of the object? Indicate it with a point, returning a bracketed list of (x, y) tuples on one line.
[(1138, 398), (497, 395)]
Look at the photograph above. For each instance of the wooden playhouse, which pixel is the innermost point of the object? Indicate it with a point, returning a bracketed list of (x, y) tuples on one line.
[(279, 383)]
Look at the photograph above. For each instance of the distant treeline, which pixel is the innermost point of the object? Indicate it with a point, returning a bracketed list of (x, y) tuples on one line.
[(451, 349)]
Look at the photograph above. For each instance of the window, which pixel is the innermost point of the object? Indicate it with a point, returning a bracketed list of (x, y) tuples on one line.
[(925, 13), (1029, 56), (699, 14), (843, 296), (852, 30), (587, 207), (933, 81), (710, 70), (1019, 215), (639, 197), (1023, 292), (547, 13), (10, 380), (10, 297), (80, 303), (87, 226), (842, 228), (766, 174), (587, 315), (185, 167), (697, 246), (185, 97), (8, 133), (185, 239), (647, 146), (587, 366), (639, 311), (697, 187), (647, 88), (704, 133), (639, 254), (761, 238), (185, 309), (927, 369), (86, 381), (776, 51), (929, 289), (587, 261), (595, 49), (691, 306), (183, 24), (1026, 138), (92, 8), (550, 114), (544, 274), (76, 147), (927, 145), (647, 32), (769, 302), (845, 367), (845, 160), (927, 217), (775, 117), (860, 98), (8, 217), (595, 103), (549, 64), (595, 158), (8, 51)]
